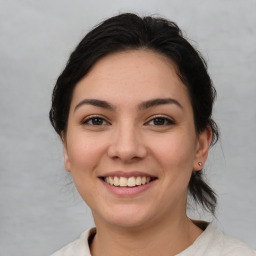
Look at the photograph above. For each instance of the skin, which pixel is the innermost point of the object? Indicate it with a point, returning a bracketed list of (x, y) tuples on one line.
[(129, 138)]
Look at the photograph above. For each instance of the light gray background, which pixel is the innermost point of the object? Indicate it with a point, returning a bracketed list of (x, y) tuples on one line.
[(39, 213)]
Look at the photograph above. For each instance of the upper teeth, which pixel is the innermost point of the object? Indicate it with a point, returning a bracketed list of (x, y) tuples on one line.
[(127, 182)]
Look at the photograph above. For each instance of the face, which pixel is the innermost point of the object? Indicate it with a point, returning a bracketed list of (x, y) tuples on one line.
[(131, 143)]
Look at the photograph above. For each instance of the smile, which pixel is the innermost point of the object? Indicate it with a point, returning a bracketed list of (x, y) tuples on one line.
[(127, 182)]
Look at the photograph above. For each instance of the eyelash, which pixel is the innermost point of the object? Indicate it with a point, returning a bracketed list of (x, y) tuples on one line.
[(167, 121), (91, 118)]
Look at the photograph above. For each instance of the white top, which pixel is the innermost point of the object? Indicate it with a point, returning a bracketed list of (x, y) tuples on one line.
[(211, 242)]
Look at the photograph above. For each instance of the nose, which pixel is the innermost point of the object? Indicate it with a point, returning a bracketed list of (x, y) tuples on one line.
[(127, 144)]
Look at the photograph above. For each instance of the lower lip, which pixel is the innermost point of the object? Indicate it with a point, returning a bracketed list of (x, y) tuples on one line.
[(128, 191)]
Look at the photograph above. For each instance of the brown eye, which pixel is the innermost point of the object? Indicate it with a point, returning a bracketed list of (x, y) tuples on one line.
[(97, 121), (160, 121)]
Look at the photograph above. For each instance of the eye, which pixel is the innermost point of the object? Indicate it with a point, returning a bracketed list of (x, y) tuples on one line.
[(95, 121), (160, 121)]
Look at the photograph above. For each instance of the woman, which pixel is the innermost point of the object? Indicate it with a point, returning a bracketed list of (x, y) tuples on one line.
[(133, 109)]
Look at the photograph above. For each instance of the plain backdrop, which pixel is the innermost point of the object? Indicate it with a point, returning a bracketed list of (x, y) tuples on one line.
[(40, 210)]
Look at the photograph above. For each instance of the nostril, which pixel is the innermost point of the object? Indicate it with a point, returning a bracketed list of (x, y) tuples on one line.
[(126, 144)]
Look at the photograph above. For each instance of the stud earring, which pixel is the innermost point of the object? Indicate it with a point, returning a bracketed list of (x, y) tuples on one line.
[(200, 163)]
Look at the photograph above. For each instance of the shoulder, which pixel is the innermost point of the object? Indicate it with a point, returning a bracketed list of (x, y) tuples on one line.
[(213, 242), (231, 246), (225, 245), (78, 247)]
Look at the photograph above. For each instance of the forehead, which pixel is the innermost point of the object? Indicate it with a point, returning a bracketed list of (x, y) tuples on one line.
[(134, 74)]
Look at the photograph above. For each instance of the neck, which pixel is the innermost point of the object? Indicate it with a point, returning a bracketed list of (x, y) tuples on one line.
[(165, 239)]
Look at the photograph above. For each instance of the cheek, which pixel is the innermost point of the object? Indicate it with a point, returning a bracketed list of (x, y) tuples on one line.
[(84, 154), (174, 150)]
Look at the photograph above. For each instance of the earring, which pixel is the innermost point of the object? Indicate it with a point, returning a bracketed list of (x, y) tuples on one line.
[(200, 163)]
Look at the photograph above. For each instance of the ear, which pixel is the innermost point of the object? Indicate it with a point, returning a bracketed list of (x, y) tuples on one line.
[(203, 144), (65, 152)]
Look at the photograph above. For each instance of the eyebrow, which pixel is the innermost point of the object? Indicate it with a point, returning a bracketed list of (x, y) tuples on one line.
[(144, 105), (95, 102), (157, 102)]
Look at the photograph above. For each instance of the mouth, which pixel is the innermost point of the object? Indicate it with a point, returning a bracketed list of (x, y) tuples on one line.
[(127, 181)]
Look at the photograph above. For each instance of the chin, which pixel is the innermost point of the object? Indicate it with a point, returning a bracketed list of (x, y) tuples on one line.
[(129, 223), (125, 217)]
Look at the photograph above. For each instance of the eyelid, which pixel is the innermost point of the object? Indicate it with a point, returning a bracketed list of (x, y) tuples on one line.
[(169, 119), (90, 117)]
